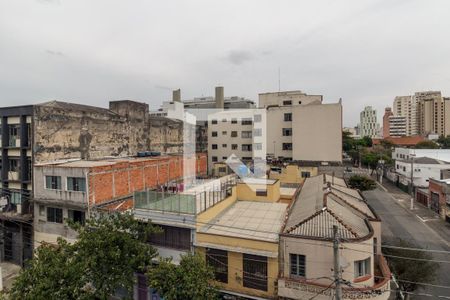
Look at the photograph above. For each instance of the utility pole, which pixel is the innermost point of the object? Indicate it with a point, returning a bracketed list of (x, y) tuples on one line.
[(412, 182), (337, 266)]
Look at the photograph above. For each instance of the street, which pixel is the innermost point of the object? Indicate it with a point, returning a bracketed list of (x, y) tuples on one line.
[(419, 226)]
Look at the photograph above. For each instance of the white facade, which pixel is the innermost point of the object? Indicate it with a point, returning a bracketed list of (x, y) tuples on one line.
[(397, 126), (405, 153), (422, 172), (406, 106), (368, 123)]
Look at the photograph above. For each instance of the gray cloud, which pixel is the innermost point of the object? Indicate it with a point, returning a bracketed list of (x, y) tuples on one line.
[(237, 57)]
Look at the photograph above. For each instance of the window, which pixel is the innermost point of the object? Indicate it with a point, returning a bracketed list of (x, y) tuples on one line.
[(53, 182), (76, 184), (362, 267), (214, 146), (257, 118), (306, 174), (246, 134), (298, 263), (13, 135), (261, 193), (14, 165), (218, 260), (287, 131), (257, 146), (214, 158), (246, 147), (287, 146), (172, 237), (299, 102), (234, 146), (77, 216), (16, 197), (247, 121), (234, 134), (224, 133), (257, 132), (222, 169), (213, 121), (224, 145), (233, 121), (214, 133), (54, 215), (287, 102), (288, 117), (224, 120), (255, 272), (41, 210), (224, 158)]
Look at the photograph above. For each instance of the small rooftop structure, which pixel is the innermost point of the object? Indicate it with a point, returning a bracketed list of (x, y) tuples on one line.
[(250, 220)]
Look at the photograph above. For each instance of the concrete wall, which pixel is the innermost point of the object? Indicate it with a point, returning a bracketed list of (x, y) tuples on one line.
[(292, 174), (296, 98), (247, 192), (421, 173), (65, 130), (318, 132)]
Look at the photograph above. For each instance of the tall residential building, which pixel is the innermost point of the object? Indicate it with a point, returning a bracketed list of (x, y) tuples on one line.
[(406, 106), (433, 113), (368, 123), (397, 126), (387, 113), (285, 127), (59, 130)]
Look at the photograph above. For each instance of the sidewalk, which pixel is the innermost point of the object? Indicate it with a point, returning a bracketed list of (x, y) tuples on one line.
[(427, 216)]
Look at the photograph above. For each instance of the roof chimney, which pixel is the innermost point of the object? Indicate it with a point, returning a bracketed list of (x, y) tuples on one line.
[(219, 97), (176, 95)]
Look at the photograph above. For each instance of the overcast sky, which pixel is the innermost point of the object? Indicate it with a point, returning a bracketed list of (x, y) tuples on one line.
[(93, 51)]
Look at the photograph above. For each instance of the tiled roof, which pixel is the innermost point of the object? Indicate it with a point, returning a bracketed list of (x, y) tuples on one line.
[(321, 205)]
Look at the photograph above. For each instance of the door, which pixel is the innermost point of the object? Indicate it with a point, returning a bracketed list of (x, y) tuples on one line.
[(435, 202)]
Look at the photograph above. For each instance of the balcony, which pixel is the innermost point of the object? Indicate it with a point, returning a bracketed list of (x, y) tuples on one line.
[(13, 176), (304, 289)]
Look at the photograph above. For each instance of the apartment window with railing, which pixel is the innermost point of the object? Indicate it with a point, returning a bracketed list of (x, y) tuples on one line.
[(77, 216), (214, 121), (53, 182), (14, 165), (54, 215), (247, 147), (218, 260), (298, 265), (214, 146), (287, 146), (288, 117), (233, 121), (13, 135), (287, 131), (362, 268), (246, 121), (234, 146), (214, 133), (77, 184), (16, 197), (255, 272), (234, 134), (246, 134)]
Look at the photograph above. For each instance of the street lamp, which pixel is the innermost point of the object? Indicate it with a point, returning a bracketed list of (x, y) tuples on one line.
[(412, 181)]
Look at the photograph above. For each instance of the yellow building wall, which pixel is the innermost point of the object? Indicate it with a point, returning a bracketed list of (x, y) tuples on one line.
[(247, 192), (292, 174), (235, 276)]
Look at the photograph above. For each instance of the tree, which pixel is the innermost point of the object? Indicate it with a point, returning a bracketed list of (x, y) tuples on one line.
[(109, 250), (444, 142), (366, 141), (361, 183), (191, 280), (409, 271), (348, 143), (427, 145)]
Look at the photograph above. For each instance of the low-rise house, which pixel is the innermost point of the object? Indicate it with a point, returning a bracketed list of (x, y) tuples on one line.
[(424, 168), (306, 244), (69, 189), (439, 197)]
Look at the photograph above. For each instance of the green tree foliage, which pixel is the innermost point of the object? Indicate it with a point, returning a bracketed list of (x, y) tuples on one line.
[(427, 145), (348, 143), (361, 183), (409, 271), (444, 142), (365, 141), (109, 250), (191, 280)]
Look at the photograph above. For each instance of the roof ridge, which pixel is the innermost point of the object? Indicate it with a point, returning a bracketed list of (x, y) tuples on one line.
[(352, 206), (306, 220), (341, 222)]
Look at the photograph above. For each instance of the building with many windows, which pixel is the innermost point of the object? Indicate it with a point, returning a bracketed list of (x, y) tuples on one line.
[(406, 106), (368, 123), (433, 113)]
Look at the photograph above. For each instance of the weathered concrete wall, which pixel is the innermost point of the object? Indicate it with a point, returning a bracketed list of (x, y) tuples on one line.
[(64, 130)]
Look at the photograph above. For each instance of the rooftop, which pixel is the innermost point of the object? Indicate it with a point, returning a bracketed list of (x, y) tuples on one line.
[(250, 220), (321, 205), (107, 161)]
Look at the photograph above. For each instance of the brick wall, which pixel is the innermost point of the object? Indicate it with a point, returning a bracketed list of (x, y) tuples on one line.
[(122, 178)]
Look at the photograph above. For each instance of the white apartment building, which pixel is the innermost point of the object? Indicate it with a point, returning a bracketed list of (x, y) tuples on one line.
[(288, 126), (368, 123), (397, 126), (424, 168), (406, 106)]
